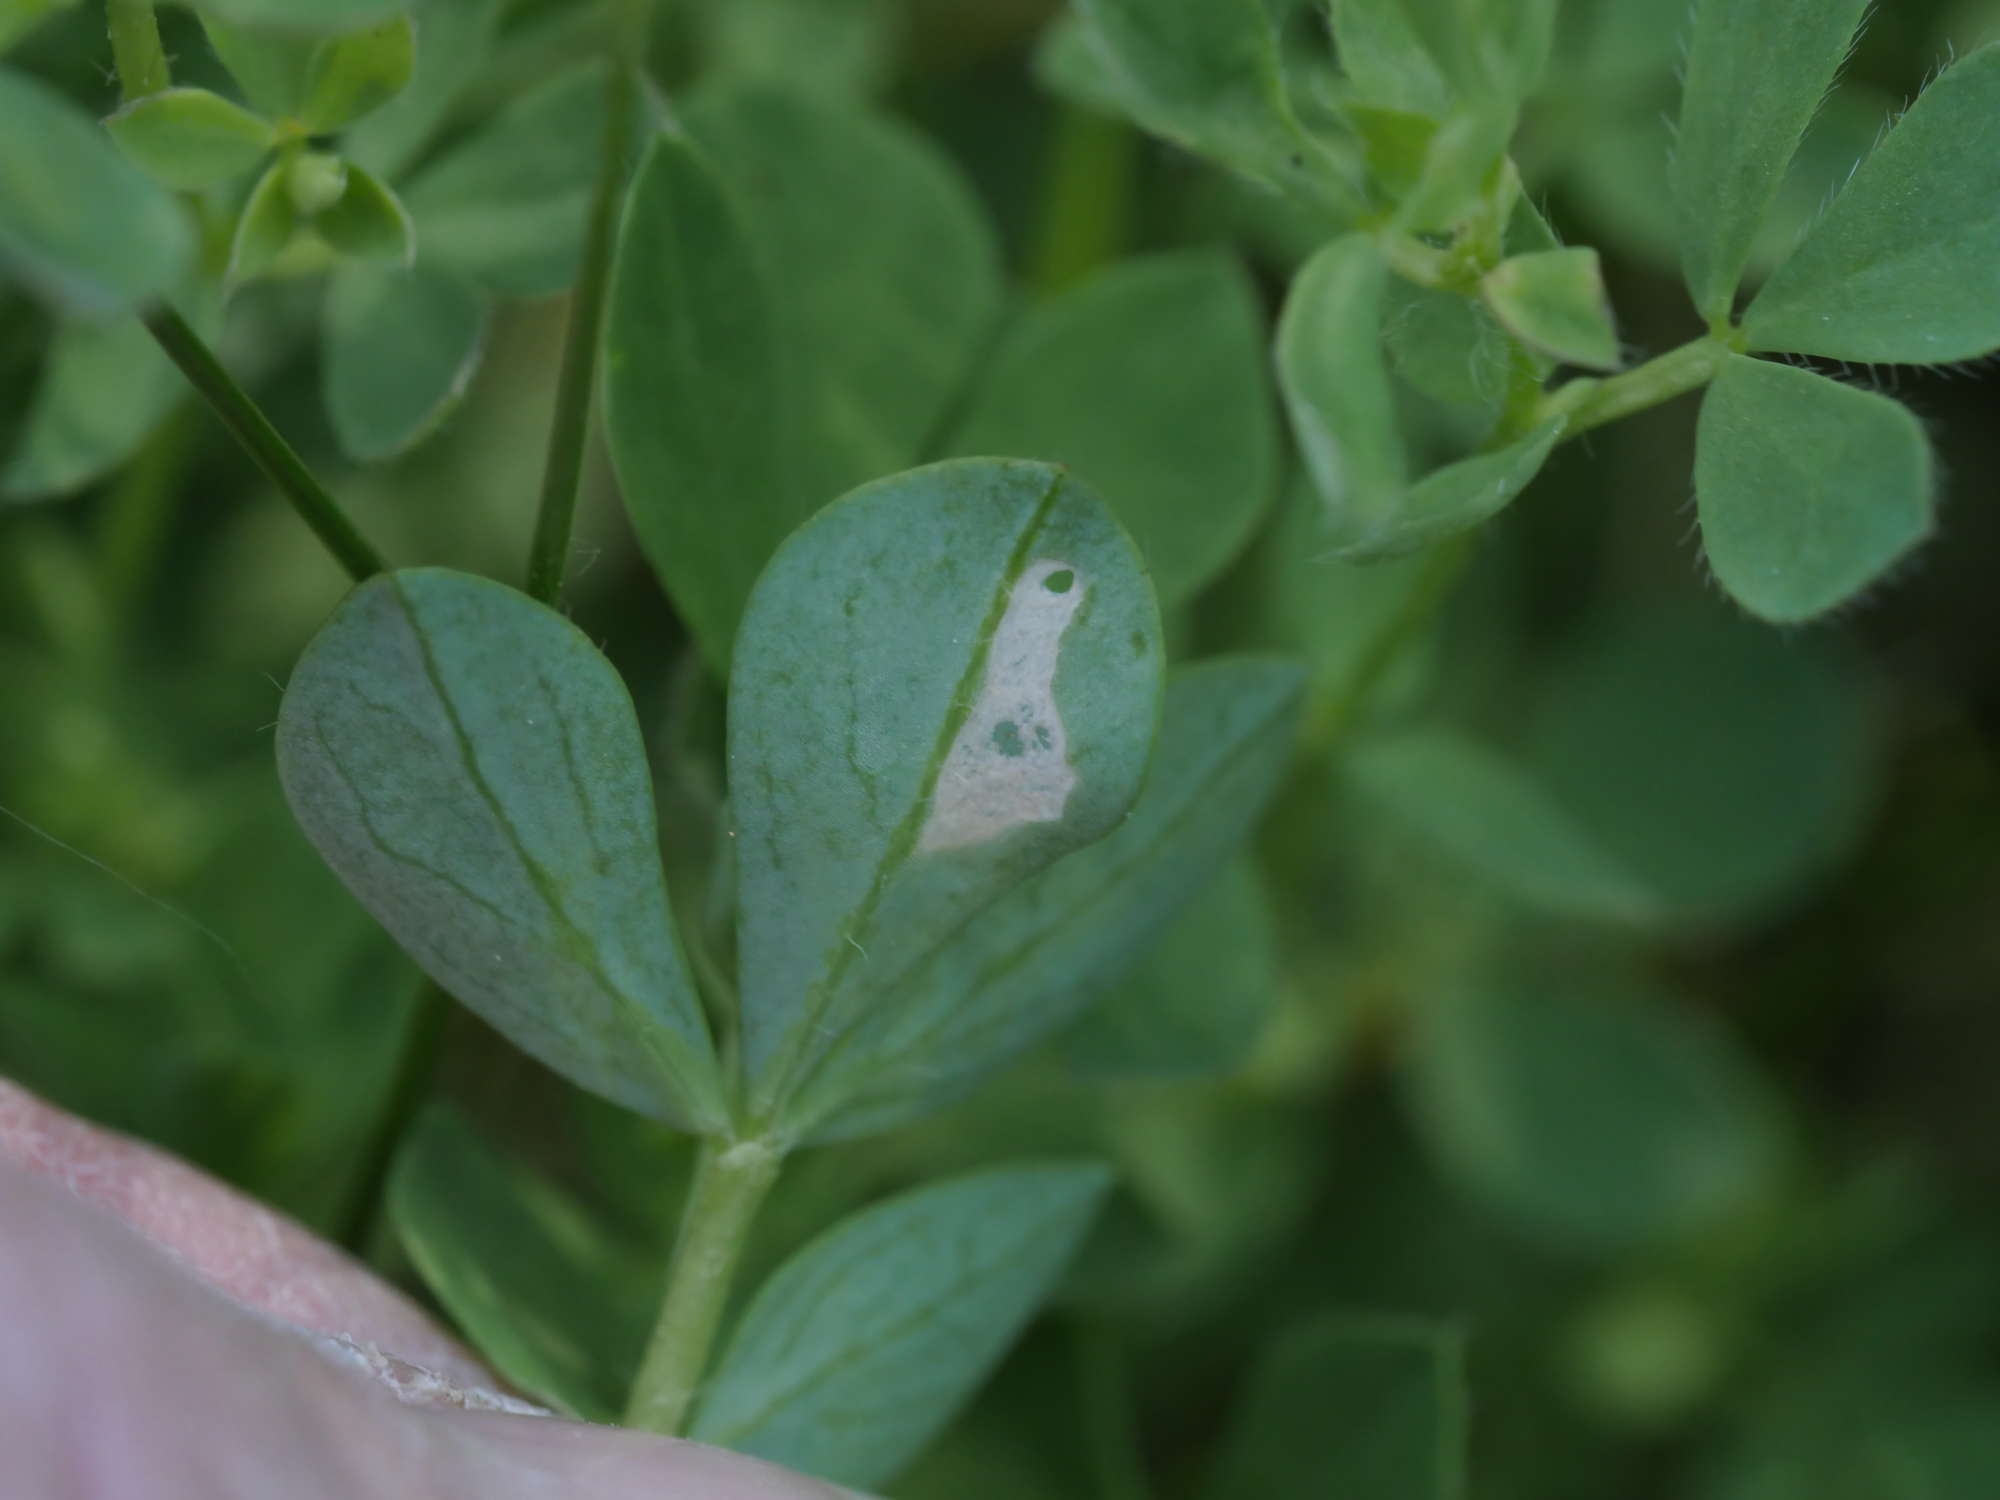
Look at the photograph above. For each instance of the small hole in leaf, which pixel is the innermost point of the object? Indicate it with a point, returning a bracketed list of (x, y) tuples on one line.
[(1059, 583)]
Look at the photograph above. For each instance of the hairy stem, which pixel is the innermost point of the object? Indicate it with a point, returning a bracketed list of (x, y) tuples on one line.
[(276, 457), (135, 48), (1592, 403), (730, 1184), (548, 557)]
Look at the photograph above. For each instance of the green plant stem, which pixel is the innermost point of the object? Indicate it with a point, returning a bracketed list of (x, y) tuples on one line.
[(276, 457), (134, 522), (135, 48), (1085, 216), (1593, 403), (1111, 1424), (548, 558), (730, 1184)]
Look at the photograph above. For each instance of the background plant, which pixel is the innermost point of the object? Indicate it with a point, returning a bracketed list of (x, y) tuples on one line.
[(1540, 1037)]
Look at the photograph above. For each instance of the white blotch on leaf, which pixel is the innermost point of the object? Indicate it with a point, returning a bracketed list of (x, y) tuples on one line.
[(1009, 764)]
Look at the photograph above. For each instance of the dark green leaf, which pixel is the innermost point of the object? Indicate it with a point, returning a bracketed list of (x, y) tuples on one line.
[(1756, 73), (554, 1303), (1199, 1000), (1809, 490), (1351, 1408), (1149, 381), (103, 387), (368, 222), (1905, 264), (1554, 300), (944, 683), (400, 348), (191, 139), (454, 39), (1587, 1108), (79, 222), (357, 73), (839, 49), (1448, 346), (471, 768), (1036, 956), (863, 1345)]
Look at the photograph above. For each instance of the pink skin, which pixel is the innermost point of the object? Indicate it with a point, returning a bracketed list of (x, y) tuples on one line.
[(221, 1352)]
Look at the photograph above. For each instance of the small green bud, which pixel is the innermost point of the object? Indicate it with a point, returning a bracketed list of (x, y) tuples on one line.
[(315, 180)]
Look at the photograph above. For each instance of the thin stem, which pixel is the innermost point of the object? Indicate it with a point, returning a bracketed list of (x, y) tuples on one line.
[(548, 558), (135, 48), (1110, 1415), (730, 1184), (1593, 403), (276, 457), (1085, 217), (137, 509)]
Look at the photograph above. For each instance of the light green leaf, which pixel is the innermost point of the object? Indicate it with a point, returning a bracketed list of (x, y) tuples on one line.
[(944, 682), (400, 348), (1490, 816), (78, 222), (838, 49), (861, 1347), (269, 222), (191, 139), (1905, 264), (553, 1302), (694, 397), (1808, 490), (368, 222), (304, 15), (454, 39), (357, 73), (103, 388), (471, 767), (1725, 766), (1044, 950), (1554, 300), (1463, 494), (1462, 159), (1149, 381), (270, 67), (885, 269), (1588, 1109), (1336, 385), (1198, 1001), (315, 180), (505, 206), (1386, 62), (1756, 73), (1351, 1408)]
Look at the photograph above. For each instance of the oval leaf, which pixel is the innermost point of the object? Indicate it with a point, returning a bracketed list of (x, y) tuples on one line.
[(1808, 490), (1756, 73), (353, 75), (103, 388), (1905, 265), (455, 39), (78, 221), (1554, 300), (945, 682), (861, 1347), (1149, 380), (400, 349), (265, 229), (471, 767), (368, 222), (191, 139)]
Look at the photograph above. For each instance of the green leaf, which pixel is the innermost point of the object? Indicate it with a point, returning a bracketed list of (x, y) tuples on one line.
[(368, 222), (838, 49), (1351, 1408), (1199, 1000), (455, 38), (885, 275), (304, 15), (1491, 817), (1725, 766), (944, 682), (79, 222), (191, 139), (861, 1347), (103, 388), (1808, 490), (471, 767), (18, 18), (505, 206), (1461, 495), (270, 67), (1588, 1109), (693, 392), (1554, 300), (1044, 950), (1336, 385), (1385, 60), (1905, 265), (400, 348), (355, 74), (1149, 381), (1756, 73), (555, 1304), (1448, 346), (269, 222)]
